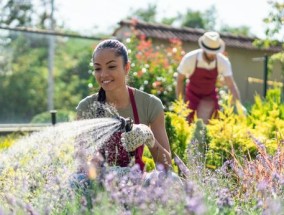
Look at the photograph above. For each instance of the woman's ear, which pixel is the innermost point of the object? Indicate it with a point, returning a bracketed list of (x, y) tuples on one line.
[(127, 68)]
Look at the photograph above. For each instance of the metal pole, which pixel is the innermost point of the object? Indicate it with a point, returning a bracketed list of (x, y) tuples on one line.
[(53, 116), (265, 75), (50, 90)]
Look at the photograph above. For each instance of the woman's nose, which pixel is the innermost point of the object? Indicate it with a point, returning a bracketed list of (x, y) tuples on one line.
[(104, 73)]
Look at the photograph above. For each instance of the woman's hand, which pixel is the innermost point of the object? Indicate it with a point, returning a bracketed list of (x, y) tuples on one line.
[(139, 135)]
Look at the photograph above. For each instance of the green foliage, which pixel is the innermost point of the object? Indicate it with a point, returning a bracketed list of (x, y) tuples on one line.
[(23, 95), (267, 114), (147, 15), (72, 76), (148, 160), (210, 18), (23, 82), (241, 30), (150, 163), (274, 20), (229, 138), (199, 142), (274, 34), (230, 134), (61, 116), (153, 67), (24, 13), (17, 12), (178, 129), (23, 86), (193, 19)]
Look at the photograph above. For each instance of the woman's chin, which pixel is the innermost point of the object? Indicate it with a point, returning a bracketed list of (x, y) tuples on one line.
[(107, 86)]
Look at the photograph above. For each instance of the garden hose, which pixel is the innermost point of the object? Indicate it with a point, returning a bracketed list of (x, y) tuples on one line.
[(126, 124)]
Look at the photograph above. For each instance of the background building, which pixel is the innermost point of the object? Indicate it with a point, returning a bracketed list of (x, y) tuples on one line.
[(248, 61)]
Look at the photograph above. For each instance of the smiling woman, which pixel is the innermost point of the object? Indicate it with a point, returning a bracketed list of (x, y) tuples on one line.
[(111, 68), (125, 149)]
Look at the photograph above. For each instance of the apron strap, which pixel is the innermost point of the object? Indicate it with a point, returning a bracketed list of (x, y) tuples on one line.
[(133, 104), (139, 150)]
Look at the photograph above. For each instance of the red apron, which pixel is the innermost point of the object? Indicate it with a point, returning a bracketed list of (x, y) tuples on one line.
[(113, 151), (201, 85)]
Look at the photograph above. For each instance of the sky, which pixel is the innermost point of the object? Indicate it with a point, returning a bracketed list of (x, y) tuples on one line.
[(102, 16)]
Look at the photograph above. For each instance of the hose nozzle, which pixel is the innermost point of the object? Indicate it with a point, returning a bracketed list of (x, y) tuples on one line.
[(126, 124)]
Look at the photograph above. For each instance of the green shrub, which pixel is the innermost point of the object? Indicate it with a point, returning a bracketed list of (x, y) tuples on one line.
[(231, 134), (178, 129), (61, 116)]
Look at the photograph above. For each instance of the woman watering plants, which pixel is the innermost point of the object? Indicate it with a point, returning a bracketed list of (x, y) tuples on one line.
[(111, 68)]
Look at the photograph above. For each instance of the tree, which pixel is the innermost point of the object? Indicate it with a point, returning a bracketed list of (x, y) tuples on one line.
[(197, 19), (23, 84), (16, 13), (192, 19), (23, 64), (210, 17), (238, 31), (274, 33), (22, 13), (168, 21), (147, 15), (275, 23)]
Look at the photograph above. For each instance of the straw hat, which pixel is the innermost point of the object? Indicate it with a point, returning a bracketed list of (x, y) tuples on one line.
[(211, 43)]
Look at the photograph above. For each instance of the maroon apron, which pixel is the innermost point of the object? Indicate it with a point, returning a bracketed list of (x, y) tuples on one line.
[(113, 151), (201, 85)]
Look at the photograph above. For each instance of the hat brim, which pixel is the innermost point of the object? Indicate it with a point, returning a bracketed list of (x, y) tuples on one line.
[(208, 49)]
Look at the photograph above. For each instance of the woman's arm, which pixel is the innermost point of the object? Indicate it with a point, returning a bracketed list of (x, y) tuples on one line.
[(161, 151)]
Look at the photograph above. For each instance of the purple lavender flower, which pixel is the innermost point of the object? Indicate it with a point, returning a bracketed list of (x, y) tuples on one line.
[(224, 199)]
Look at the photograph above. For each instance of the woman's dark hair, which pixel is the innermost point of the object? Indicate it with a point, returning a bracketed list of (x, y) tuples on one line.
[(119, 50), (118, 47)]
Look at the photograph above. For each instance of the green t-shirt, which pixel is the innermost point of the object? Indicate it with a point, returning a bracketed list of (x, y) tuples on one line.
[(148, 107)]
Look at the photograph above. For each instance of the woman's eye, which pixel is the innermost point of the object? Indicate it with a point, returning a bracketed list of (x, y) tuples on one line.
[(112, 67), (97, 69)]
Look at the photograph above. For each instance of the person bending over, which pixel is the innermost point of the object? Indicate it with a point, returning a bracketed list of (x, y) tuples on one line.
[(201, 68)]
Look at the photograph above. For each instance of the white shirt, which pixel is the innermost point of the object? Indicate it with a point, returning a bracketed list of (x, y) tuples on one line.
[(188, 62)]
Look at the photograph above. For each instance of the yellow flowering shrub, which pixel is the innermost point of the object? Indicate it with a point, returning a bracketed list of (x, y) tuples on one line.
[(228, 135), (7, 141), (178, 129), (231, 134)]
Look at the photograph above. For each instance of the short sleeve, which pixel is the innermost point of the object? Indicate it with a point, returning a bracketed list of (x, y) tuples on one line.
[(84, 110), (224, 65), (155, 107), (187, 63)]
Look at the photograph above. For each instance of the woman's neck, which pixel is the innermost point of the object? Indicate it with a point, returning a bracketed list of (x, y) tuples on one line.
[(118, 98)]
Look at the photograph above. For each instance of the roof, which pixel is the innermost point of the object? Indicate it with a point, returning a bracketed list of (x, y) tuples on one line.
[(166, 32)]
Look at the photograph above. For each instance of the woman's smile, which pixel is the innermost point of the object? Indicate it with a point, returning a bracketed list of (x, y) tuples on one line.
[(106, 82)]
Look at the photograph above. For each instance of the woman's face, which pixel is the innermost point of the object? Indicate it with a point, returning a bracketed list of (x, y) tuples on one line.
[(109, 70)]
